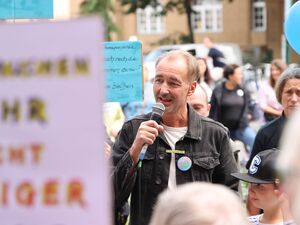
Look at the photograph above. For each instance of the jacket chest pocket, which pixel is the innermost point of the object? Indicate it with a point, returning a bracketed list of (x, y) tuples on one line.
[(148, 166), (203, 167)]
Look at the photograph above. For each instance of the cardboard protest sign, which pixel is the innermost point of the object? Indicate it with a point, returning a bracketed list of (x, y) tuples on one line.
[(52, 165), (123, 67)]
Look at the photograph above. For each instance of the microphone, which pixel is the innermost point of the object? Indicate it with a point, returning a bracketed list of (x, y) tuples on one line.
[(158, 110)]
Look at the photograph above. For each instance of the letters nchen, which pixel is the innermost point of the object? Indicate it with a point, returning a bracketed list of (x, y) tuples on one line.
[(28, 68)]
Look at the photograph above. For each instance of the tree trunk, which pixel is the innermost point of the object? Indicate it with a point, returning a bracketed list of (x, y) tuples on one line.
[(187, 4)]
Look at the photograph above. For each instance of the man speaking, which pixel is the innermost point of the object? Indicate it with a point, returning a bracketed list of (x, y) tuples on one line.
[(184, 147)]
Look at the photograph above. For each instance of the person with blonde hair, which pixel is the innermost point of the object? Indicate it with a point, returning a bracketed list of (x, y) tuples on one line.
[(205, 80), (266, 93), (199, 203)]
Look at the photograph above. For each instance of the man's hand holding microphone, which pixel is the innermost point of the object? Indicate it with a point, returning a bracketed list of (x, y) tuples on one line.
[(147, 133)]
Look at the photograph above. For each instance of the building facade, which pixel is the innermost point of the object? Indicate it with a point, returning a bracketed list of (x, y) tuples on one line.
[(256, 25)]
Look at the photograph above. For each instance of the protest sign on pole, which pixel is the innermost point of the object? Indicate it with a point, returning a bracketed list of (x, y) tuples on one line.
[(52, 165), (124, 71)]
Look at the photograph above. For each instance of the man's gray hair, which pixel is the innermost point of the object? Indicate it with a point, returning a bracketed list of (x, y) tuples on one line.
[(191, 62), (288, 74)]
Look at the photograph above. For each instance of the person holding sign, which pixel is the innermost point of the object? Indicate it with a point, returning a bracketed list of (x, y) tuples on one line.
[(185, 147)]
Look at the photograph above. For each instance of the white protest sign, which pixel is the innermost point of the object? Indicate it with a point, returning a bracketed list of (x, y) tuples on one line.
[(52, 165)]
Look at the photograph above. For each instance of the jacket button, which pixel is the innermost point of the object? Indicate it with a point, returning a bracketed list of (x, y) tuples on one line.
[(158, 180), (161, 156)]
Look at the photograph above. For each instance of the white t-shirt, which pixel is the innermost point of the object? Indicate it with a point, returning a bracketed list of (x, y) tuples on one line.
[(255, 220), (173, 134)]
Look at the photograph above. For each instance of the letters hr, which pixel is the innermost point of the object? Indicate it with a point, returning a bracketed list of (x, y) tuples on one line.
[(12, 110)]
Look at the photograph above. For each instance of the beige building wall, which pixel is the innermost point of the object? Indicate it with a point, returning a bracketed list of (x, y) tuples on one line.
[(237, 27), (75, 7), (126, 24), (174, 23), (236, 24)]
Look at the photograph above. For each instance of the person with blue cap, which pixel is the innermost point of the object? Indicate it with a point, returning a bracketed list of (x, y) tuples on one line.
[(265, 190)]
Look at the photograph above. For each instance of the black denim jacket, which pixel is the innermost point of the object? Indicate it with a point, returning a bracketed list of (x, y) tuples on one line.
[(206, 143)]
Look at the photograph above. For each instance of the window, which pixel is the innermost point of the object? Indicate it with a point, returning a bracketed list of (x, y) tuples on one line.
[(208, 16), (259, 15), (149, 21)]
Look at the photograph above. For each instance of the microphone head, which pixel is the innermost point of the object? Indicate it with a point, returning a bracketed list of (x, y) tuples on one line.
[(158, 108)]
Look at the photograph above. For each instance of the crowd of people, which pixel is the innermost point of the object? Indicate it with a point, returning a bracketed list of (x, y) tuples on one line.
[(190, 167)]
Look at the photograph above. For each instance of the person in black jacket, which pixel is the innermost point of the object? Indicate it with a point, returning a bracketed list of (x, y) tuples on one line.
[(288, 94), (185, 147), (230, 106)]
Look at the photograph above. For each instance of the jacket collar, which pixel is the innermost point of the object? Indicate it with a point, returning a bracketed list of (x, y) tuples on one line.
[(194, 124)]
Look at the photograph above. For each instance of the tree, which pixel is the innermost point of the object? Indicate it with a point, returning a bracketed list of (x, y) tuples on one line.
[(105, 9), (182, 6)]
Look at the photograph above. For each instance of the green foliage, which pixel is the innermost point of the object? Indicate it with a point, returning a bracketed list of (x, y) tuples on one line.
[(133, 5), (170, 5), (103, 8), (179, 5)]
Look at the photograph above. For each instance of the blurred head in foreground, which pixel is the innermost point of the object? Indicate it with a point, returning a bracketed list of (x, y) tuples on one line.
[(288, 163), (199, 203)]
